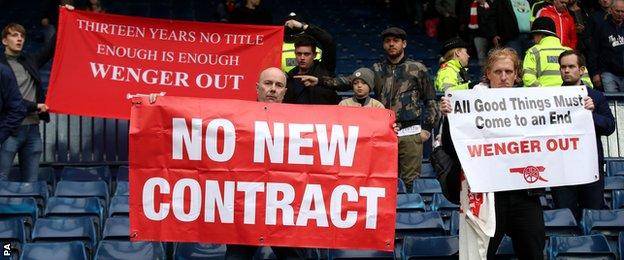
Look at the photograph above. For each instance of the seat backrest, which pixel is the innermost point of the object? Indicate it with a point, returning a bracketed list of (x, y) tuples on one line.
[(614, 166), (410, 202), (65, 229), (607, 222), (37, 190), (618, 199), (419, 224), (580, 246), (188, 251), (358, 254), (614, 183), (560, 222), (68, 207), (430, 247), (426, 187), (12, 229), (115, 249), (427, 171), (401, 186), (119, 206), (116, 228), (97, 189), (122, 173), (122, 189), (68, 250), (94, 173), (19, 207), (439, 202)]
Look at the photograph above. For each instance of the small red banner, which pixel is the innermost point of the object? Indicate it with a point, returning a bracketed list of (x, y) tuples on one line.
[(100, 58), (241, 172)]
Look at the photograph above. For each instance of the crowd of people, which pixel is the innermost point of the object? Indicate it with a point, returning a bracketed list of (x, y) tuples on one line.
[(519, 44)]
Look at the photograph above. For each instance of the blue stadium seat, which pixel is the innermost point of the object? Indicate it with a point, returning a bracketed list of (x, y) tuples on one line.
[(122, 189), (358, 254), (67, 250), (122, 173), (621, 245), (23, 208), (607, 222), (47, 174), (560, 222), (116, 228), (453, 226), (401, 186), (439, 247), (580, 247), (612, 183), (66, 229), (95, 173), (427, 171), (96, 189), (114, 249), (264, 253), (410, 202), (615, 167), (545, 203), (618, 199), (119, 207), (419, 224), (426, 188), (440, 204), (196, 251), (37, 190), (505, 249), (13, 231), (72, 207)]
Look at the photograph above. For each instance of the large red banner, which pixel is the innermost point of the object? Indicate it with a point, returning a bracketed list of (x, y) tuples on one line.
[(241, 172), (100, 58)]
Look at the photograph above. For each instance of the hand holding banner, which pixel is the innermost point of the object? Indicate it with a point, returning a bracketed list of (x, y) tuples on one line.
[(228, 171), (527, 137), (100, 58)]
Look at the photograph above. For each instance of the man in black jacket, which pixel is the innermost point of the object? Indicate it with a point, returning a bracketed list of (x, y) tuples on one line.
[(305, 51), (27, 140), (607, 51), (12, 111)]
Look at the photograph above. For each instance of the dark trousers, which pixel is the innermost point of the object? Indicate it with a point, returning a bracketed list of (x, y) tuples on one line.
[(579, 197), (243, 252), (519, 216)]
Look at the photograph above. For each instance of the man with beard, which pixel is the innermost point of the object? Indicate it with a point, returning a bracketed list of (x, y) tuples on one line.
[(401, 84)]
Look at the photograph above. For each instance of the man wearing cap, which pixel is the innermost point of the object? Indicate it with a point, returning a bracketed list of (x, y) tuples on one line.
[(541, 65), (453, 74), (402, 85), (363, 78), (305, 52)]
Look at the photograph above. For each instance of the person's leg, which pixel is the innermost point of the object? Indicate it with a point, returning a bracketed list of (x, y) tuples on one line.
[(593, 196), (30, 154), (620, 83), (567, 197), (8, 150), (501, 202), (410, 159), (609, 82), (526, 225), (481, 45), (240, 252)]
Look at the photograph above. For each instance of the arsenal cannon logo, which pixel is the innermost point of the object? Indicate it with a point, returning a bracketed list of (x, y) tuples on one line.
[(531, 173)]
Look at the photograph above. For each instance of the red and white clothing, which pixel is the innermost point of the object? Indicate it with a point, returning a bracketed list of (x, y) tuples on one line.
[(566, 29), (477, 222)]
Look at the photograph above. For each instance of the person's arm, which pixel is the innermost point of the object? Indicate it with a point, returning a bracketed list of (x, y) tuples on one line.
[(13, 111), (430, 115), (328, 45), (529, 79), (604, 122)]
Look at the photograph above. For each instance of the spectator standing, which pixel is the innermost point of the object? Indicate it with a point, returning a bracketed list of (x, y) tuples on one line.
[(585, 196), (252, 13), (305, 52), (607, 50), (510, 24), (564, 23), (363, 78)]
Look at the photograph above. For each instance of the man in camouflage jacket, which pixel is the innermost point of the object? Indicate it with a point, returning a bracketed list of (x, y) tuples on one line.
[(404, 86)]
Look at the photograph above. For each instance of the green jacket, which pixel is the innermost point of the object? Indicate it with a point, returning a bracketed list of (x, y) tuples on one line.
[(541, 64), (450, 77)]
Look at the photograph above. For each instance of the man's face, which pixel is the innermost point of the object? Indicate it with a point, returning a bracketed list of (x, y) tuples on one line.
[(617, 11), (394, 46), (305, 57), (571, 72), (605, 3), (13, 42), (561, 4), (502, 74), (360, 88), (272, 86)]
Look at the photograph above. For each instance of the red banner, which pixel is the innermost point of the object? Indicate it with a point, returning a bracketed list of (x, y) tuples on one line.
[(100, 58), (241, 172)]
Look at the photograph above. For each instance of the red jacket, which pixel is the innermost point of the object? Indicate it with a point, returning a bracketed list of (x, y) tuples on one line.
[(566, 30)]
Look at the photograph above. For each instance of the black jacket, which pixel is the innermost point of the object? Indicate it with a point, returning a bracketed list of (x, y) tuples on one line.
[(502, 21), (608, 47), (297, 93), (12, 110), (32, 63)]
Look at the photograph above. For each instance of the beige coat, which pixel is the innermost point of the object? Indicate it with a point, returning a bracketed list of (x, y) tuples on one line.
[(352, 102)]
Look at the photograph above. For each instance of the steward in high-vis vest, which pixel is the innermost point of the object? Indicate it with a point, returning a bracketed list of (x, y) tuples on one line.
[(541, 62), (453, 74)]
